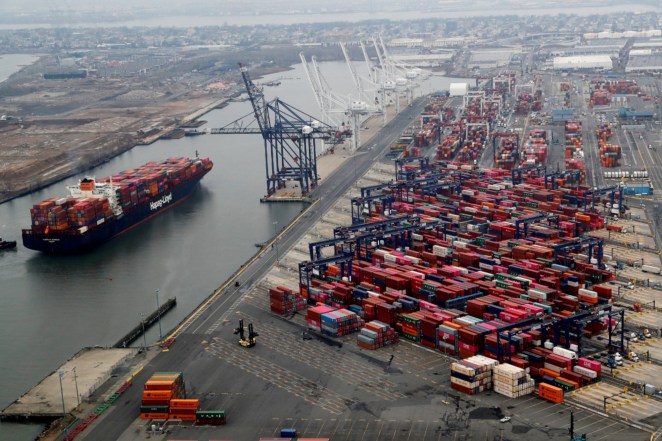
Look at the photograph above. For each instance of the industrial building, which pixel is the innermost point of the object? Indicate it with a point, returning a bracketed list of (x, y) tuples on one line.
[(582, 62), (644, 60), (492, 58), (626, 34), (459, 89)]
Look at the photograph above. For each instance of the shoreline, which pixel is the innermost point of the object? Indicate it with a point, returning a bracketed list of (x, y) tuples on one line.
[(70, 170), (107, 156)]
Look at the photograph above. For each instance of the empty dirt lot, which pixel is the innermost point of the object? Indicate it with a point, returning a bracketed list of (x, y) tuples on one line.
[(58, 127)]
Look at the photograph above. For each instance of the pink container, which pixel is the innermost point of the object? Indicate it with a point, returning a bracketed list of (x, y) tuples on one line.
[(427, 305), (590, 364)]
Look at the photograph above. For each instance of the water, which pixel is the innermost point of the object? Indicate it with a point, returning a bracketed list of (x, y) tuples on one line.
[(52, 306), (11, 63), (207, 18)]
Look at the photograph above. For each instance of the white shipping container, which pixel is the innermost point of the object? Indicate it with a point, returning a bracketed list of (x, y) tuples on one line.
[(485, 266), (588, 293), (440, 251), (551, 367), (417, 274), (558, 350), (416, 236), (650, 269), (413, 260), (585, 371)]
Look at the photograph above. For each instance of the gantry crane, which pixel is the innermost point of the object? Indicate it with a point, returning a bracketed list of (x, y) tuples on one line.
[(289, 134)]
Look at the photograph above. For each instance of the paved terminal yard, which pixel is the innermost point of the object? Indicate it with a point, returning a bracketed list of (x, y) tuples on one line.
[(333, 388), (293, 379)]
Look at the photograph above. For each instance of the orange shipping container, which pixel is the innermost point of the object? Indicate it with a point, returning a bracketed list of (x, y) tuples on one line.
[(153, 416), (191, 403), (175, 416), (550, 393), (157, 394), (549, 373), (160, 385)]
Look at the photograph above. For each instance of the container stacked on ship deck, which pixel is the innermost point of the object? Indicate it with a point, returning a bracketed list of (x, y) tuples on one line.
[(70, 214), (78, 215)]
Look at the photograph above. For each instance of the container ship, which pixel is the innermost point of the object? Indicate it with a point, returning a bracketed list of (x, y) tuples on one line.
[(98, 210)]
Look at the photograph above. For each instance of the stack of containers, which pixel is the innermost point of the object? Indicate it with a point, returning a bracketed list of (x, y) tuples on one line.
[(409, 325), (507, 152), (314, 316), (376, 335), (183, 409), (284, 301), (159, 390), (610, 154), (472, 375), (447, 338), (588, 368), (555, 362), (340, 322), (52, 213), (512, 381), (450, 144), (535, 148), (78, 215), (550, 393)]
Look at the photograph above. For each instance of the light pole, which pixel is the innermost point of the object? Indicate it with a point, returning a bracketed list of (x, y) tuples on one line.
[(76, 382), (64, 412), (158, 315), (275, 243), (61, 374), (142, 322)]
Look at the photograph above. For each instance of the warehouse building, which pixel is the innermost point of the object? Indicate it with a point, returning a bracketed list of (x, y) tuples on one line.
[(459, 89), (582, 62), (641, 61)]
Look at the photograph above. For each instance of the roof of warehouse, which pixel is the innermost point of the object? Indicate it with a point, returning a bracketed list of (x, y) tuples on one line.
[(580, 59), (650, 62)]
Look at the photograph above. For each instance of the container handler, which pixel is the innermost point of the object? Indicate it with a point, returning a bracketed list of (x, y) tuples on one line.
[(247, 342)]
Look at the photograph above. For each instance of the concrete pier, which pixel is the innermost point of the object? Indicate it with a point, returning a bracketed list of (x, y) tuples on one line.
[(82, 375)]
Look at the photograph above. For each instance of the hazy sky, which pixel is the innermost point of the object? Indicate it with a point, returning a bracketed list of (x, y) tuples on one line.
[(32, 5), (171, 13)]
